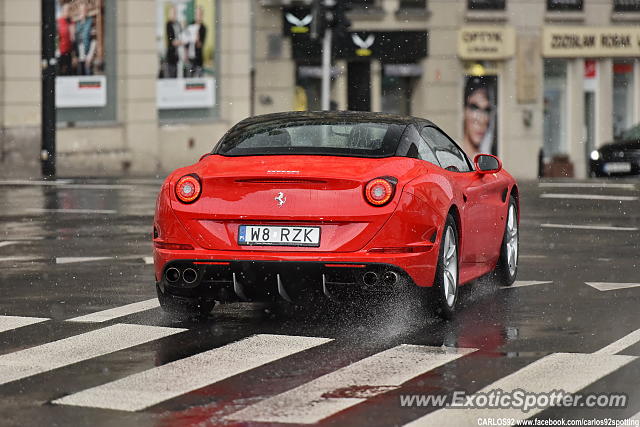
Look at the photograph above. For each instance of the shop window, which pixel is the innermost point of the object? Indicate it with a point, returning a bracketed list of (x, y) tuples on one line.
[(187, 62), (396, 95), (413, 4), (486, 4), (564, 5), (623, 93), (555, 108), (86, 74)]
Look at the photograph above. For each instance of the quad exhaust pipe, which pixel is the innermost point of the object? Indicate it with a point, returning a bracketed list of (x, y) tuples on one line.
[(172, 274), (188, 275), (370, 278), (389, 278)]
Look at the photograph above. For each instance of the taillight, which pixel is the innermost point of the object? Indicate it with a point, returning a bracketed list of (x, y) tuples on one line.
[(188, 188), (379, 191)]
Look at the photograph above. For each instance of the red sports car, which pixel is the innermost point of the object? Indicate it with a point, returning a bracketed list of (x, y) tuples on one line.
[(290, 205)]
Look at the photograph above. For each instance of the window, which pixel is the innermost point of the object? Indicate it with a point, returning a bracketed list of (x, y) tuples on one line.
[(626, 5), (413, 146), (486, 4), (413, 4), (554, 5), (364, 4), (623, 91), (86, 77), (555, 107), (311, 136), (448, 154)]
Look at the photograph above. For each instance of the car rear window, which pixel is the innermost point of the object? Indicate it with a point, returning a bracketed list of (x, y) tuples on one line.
[(359, 139)]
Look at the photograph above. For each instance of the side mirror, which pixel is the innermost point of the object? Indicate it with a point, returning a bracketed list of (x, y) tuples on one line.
[(204, 155), (487, 163)]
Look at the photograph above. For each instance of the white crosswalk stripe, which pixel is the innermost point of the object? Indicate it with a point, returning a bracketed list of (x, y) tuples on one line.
[(349, 386), (610, 286), (165, 382), (57, 354), (523, 283), (586, 197), (75, 259), (114, 313), (8, 323), (621, 344), (570, 372)]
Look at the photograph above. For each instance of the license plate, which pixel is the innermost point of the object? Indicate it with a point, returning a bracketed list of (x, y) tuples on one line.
[(617, 167), (261, 235)]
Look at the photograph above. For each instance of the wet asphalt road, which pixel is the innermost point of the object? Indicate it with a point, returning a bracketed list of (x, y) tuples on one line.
[(76, 247)]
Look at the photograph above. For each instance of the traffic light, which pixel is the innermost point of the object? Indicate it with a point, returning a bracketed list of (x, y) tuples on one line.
[(339, 8), (329, 14)]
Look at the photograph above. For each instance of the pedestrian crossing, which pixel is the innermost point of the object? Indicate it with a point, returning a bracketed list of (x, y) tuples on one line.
[(322, 397), (8, 323), (156, 385), (117, 312), (47, 357), (311, 400)]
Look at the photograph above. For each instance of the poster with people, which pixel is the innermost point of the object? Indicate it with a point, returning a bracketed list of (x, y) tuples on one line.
[(80, 80), (480, 123), (185, 42)]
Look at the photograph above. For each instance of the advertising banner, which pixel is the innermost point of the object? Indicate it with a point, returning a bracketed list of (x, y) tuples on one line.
[(480, 119), (80, 80), (185, 42)]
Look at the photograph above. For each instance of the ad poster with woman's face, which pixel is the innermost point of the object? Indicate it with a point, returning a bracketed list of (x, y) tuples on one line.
[(480, 115)]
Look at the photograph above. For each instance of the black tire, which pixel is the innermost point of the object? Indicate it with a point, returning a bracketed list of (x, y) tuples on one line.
[(440, 304), (503, 274), (183, 308)]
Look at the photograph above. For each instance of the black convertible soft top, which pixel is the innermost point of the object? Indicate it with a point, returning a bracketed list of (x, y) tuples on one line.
[(365, 134)]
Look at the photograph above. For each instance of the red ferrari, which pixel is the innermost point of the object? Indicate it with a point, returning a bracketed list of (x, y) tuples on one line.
[(298, 204)]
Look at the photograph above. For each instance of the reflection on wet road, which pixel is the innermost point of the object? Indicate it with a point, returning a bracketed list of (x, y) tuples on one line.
[(82, 340)]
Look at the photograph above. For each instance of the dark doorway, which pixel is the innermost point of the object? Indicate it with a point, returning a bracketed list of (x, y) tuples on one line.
[(359, 82)]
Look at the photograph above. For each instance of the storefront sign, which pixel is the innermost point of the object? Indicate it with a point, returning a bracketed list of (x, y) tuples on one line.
[(585, 42), (626, 5), (484, 42), (296, 20), (485, 4), (185, 93), (81, 91), (393, 47), (390, 47), (564, 5)]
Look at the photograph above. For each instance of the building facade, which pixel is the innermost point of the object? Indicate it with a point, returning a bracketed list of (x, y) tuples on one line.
[(155, 83)]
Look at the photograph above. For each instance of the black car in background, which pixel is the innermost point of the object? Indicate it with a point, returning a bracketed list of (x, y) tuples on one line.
[(618, 158)]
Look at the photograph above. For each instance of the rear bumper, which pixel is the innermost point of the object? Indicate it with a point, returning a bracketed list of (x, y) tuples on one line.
[(221, 273)]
